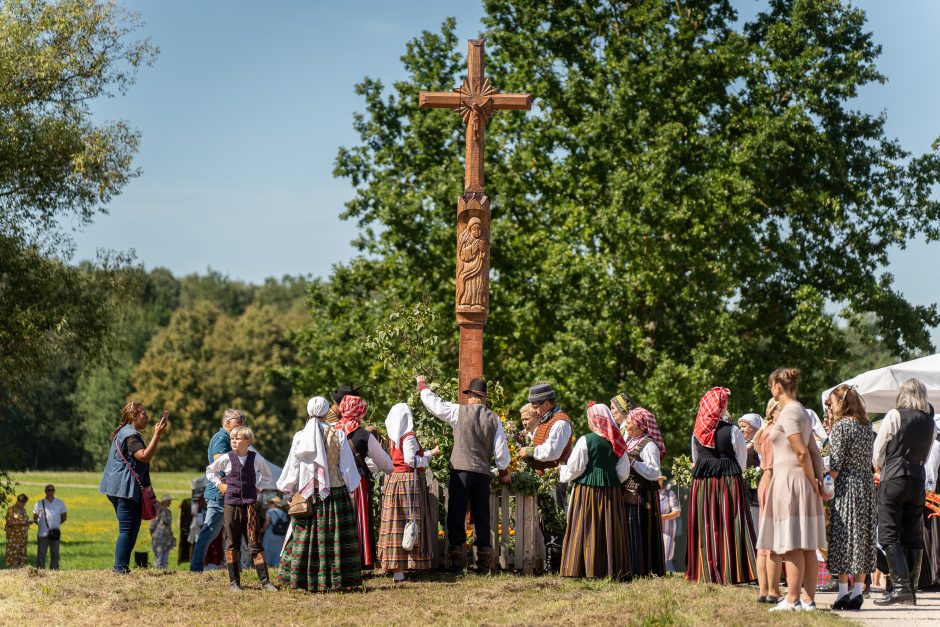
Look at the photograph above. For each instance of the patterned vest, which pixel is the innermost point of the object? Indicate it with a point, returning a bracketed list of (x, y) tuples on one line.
[(240, 481), (541, 435), (636, 482)]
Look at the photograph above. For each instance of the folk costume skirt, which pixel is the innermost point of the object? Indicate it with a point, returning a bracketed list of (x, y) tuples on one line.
[(596, 540), (930, 563), (322, 552), (362, 502), (721, 534), (397, 505), (645, 534)]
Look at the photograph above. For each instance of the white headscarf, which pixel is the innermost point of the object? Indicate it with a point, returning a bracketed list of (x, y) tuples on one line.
[(399, 422), (752, 419), (311, 452)]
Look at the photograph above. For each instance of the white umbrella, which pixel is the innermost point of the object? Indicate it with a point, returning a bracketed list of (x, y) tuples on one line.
[(879, 388)]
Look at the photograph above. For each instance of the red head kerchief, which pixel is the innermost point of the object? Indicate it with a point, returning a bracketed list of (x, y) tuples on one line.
[(646, 421), (711, 409), (351, 410), (601, 422)]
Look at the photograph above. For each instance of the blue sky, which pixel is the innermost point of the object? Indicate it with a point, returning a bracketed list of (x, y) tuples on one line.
[(243, 111)]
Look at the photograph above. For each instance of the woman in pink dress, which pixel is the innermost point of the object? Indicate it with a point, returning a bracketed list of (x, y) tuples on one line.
[(768, 570)]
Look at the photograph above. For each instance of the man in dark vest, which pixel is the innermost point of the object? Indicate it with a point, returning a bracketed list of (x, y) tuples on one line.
[(478, 438), (900, 451)]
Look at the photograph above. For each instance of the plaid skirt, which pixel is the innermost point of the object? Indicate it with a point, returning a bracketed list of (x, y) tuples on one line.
[(322, 552), (399, 497)]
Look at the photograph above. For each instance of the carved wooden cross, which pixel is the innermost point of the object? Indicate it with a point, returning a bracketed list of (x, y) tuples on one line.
[(476, 100)]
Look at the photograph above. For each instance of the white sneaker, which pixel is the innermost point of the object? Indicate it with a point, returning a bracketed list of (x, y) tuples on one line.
[(807, 607), (785, 606)]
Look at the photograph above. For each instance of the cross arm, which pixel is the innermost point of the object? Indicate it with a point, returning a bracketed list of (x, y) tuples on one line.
[(512, 101), (439, 99)]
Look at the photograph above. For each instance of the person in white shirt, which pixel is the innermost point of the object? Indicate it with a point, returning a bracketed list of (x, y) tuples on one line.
[(478, 438), (645, 449), (237, 476), (50, 514)]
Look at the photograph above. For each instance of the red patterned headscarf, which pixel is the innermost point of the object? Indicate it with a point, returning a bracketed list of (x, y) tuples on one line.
[(351, 410), (645, 420), (601, 422), (711, 409)]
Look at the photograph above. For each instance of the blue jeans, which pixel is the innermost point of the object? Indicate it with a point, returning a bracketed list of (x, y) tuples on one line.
[(210, 529), (128, 516)]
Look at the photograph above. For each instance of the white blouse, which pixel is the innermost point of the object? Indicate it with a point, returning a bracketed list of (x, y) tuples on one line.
[(577, 463)]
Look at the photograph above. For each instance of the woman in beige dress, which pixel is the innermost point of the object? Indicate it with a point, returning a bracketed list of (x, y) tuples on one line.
[(793, 525)]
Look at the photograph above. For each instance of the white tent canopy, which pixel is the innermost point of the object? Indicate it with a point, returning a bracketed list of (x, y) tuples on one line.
[(879, 388)]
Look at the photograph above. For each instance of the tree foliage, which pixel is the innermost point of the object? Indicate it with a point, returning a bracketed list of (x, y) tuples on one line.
[(686, 197)]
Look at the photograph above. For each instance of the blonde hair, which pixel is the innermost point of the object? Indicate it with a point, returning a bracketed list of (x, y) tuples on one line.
[(243, 432), (769, 419), (913, 395)]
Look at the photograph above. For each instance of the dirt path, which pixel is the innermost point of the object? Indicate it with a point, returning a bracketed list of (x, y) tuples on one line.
[(927, 611)]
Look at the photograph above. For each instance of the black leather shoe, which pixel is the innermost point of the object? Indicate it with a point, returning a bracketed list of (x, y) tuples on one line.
[(841, 603), (855, 603), (762, 599), (772, 600)]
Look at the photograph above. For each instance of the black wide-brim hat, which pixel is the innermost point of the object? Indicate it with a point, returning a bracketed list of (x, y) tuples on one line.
[(477, 386)]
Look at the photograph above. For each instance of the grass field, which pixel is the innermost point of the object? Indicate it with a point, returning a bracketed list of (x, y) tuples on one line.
[(155, 598), (87, 593), (90, 531)]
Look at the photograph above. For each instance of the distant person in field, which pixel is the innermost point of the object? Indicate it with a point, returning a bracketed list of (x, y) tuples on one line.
[(161, 533), (17, 528), (49, 514), (237, 476), (276, 522), (219, 446), (126, 471)]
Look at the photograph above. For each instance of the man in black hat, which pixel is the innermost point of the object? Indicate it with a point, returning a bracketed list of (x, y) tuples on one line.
[(478, 438)]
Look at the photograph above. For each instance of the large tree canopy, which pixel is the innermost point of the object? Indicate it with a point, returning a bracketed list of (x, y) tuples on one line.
[(58, 167), (686, 198)]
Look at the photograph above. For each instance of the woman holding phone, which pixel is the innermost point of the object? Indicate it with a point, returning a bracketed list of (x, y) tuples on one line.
[(126, 471)]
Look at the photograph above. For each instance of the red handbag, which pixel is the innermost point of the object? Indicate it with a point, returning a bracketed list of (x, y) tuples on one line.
[(149, 506)]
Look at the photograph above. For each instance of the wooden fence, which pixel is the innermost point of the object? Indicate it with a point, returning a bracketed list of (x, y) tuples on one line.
[(517, 541)]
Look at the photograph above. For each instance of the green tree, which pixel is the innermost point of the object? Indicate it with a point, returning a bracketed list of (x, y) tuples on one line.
[(687, 194)]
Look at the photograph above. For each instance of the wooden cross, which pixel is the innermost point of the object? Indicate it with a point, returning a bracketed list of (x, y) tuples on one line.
[(476, 100)]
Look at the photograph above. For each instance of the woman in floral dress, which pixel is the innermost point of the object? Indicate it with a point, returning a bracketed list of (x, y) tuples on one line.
[(852, 513), (17, 528)]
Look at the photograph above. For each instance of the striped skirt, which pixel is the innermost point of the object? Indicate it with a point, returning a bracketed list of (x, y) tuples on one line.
[(322, 552), (397, 502), (721, 534), (645, 534), (596, 540), (362, 503)]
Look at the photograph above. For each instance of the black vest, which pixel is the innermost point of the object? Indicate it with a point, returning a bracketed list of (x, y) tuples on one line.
[(359, 440), (908, 449), (720, 461)]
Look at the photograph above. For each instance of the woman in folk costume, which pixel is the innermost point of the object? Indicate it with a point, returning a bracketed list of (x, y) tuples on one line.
[(595, 540), (645, 449), (364, 445), (321, 552), (406, 499), (721, 532)]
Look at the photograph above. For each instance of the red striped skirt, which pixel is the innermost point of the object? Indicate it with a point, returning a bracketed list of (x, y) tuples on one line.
[(362, 503), (721, 535)]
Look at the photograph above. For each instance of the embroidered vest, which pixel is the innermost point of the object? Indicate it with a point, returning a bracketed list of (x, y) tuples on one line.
[(636, 482), (240, 481), (398, 453), (541, 435)]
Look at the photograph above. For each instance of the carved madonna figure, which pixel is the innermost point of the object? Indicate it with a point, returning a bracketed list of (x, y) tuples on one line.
[(471, 265)]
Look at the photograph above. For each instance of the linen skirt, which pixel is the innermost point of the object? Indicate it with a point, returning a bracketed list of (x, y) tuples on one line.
[(794, 517), (720, 545), (322, 552), (400, 503), (645, 535), (595, 542)]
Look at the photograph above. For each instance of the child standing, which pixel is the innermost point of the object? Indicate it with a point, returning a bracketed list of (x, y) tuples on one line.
[(244, 470), (161, 533)]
